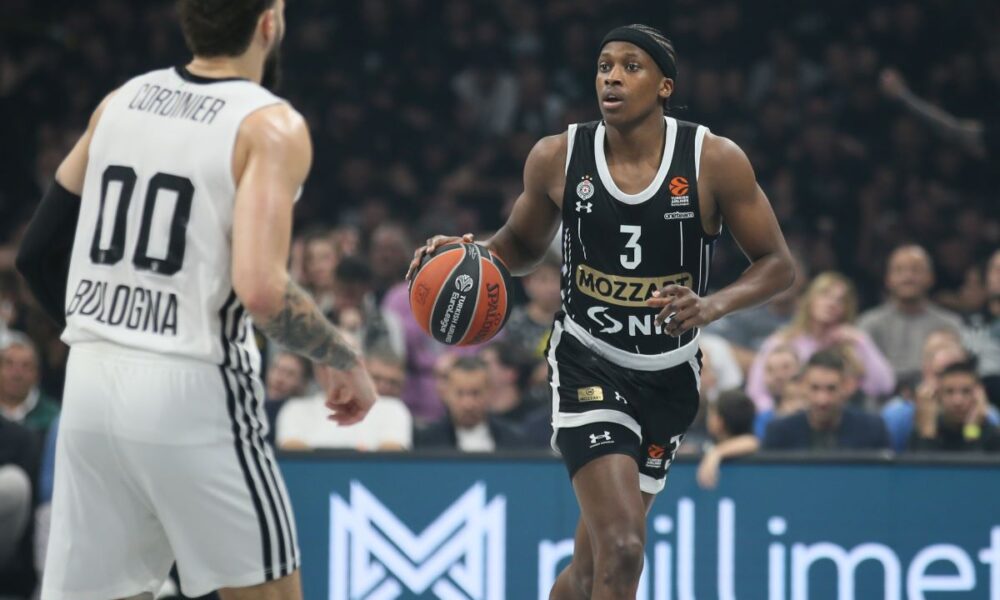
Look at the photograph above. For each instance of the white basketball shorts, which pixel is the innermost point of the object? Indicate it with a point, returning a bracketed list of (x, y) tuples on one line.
[(161, 460)]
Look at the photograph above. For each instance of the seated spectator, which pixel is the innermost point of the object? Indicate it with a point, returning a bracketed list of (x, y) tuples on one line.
[(389, 255), (982, 336), (953, 416), (422, 352), (900, 325), (287, 377), (355, 310), (941, 349), (530, 324), (467, 425), (823, 320), (826, 423), (730, 423), (19, 458), (21, 400), (319, 261), (719, 373), (303, 424), (509, 372), (746, 330), (781, 376)]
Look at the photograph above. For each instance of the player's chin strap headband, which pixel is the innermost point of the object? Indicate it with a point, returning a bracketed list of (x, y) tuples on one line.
[(645, 41)]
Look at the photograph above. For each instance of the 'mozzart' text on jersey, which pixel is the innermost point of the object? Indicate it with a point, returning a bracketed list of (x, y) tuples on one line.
[(152, 253), (619, 248)]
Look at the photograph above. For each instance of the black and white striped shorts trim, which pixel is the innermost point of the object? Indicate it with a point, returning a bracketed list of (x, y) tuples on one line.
[(244, 398)]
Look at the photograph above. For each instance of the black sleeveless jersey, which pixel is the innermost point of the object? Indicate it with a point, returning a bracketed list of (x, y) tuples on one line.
[(618, 248)]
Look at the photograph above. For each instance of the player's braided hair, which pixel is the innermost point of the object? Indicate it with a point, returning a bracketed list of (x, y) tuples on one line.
[(663, 42)]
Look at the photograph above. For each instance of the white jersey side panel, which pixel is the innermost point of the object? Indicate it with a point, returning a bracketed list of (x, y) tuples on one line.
[(152, 253)]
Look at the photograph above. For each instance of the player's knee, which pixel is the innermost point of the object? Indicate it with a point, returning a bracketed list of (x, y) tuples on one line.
[(621, 556)]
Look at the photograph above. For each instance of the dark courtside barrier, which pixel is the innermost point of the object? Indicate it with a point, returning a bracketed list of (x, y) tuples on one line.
[(379, 527)]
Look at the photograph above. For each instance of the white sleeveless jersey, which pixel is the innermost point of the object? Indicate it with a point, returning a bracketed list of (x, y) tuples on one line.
[(152, 253)]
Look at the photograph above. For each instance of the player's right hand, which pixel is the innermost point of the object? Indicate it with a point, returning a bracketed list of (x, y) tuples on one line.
[(433, 244), (349, 394)]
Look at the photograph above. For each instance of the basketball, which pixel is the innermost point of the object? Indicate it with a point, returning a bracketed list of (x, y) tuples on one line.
[(459, 294)]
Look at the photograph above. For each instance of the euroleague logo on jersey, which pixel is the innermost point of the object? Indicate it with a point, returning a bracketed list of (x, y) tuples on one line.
[(679, 192)]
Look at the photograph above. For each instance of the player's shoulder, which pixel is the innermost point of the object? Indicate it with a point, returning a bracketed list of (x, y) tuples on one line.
[(718, 149), (550, 149), (275, 125)]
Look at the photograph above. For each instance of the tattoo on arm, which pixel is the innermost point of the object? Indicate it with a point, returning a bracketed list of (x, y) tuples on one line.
[(302, 328)]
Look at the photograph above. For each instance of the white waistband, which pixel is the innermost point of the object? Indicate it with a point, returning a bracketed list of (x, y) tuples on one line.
[(630, 360)]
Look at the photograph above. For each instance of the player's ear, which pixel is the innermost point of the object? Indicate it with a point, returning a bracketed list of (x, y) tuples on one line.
[(267, 26), (666, 88)]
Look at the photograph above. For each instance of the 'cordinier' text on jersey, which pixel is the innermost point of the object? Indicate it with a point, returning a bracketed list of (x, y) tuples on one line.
[(619, 248), (151, 258)]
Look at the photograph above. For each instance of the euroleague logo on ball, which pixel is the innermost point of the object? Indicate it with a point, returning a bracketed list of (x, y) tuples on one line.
[(463, 283)]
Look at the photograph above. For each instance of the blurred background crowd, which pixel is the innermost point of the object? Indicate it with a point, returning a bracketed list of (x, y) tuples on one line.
[(872, 127)]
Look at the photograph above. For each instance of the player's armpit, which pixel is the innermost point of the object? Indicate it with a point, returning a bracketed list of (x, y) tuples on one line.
[(729, 182), (533, 222)]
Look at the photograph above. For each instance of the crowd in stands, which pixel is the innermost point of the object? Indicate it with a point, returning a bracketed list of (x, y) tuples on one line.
[(422, 112)]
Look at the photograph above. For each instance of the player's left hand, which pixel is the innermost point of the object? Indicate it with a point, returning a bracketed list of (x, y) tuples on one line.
[(681, 309)]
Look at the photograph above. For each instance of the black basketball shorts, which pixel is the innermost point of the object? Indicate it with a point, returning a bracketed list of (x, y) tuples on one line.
[(602, 408)]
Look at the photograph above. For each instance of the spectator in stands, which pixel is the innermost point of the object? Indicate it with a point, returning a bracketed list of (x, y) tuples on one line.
[(730, 423), (303, 424), (389, 254), (529, 324), (900, 325), (826, 423), (19, 457), (468, 426), (422, 353), (983, 333), (356, 311), (954, 417), (20, 399), (746, 330), (318, 264), (824, 319), (508, 372), (781, 376), (287, 377)]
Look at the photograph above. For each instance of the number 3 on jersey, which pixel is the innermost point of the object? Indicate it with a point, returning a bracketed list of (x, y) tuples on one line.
[(632, 260), (113, 252)]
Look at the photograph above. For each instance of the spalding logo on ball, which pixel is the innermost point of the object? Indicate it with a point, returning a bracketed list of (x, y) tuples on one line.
[(459, 294)]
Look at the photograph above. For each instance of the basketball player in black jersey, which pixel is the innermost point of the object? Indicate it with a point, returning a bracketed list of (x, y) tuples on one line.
[(641, 198)]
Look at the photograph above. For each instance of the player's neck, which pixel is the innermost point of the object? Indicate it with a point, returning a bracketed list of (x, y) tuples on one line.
[(219, 67), (636, 142)]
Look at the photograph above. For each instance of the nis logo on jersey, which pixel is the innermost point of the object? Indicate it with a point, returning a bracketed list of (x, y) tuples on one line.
[(622, 290)]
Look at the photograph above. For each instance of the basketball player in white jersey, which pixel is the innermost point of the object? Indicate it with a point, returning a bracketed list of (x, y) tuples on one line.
[(180, 193)]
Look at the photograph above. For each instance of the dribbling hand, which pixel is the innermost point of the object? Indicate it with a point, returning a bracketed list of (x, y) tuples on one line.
[(349, 394), (433, 244), (682, 309)]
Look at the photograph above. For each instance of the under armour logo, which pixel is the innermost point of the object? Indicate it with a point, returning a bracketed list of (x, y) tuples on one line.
[(585, 206), (620, 398), (604, 438)]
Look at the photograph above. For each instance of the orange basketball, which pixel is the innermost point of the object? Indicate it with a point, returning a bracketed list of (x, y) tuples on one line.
[(459, 294)]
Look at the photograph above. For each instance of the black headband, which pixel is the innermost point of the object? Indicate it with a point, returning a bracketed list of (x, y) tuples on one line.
[(645, 41)]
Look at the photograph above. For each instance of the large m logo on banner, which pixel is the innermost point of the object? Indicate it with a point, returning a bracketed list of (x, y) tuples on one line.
[(459, 556)]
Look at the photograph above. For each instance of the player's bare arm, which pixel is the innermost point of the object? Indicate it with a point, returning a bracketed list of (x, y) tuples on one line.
[(272, 158), (730, 187), (44, 254), (522, 241)]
